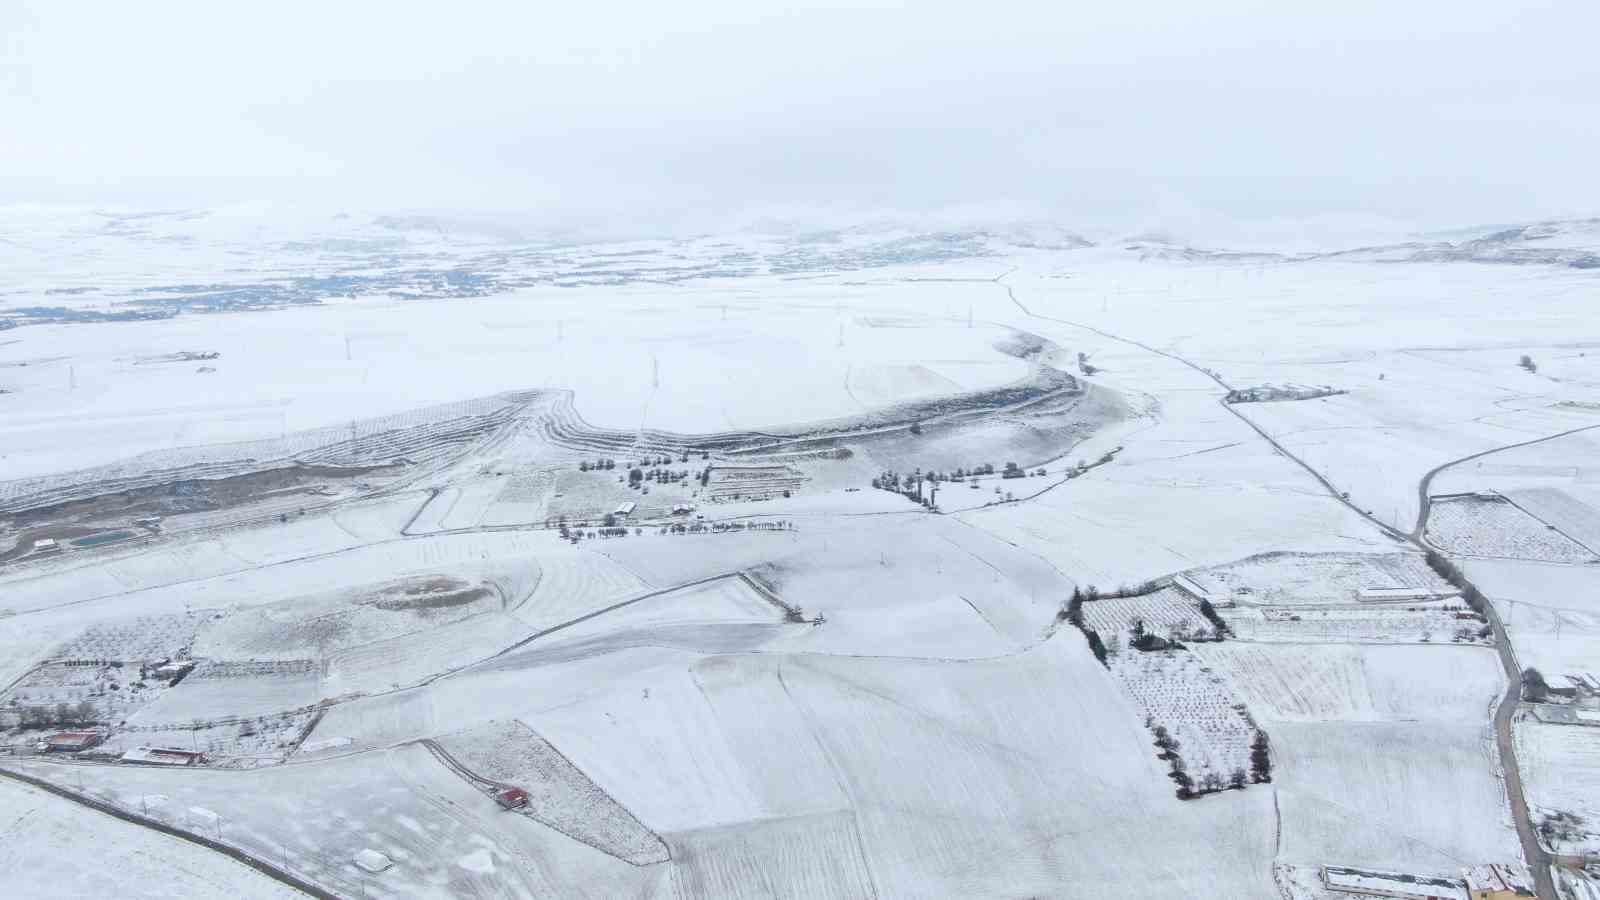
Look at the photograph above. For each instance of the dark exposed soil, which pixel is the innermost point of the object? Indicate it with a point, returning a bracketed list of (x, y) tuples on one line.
[(176, 497), (410, 602)]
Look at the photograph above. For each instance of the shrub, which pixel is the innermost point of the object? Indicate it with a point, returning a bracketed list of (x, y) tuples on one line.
[(1534, 688)]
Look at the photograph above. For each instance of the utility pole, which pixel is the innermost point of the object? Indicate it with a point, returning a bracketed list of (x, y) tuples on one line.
[(560, 324), (969, 315), (347, 348), (72, 378), (841, 334), (655, 372)]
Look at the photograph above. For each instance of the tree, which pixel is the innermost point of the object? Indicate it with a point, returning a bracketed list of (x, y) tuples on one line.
[(1527, 363), (1097, 647), (1260, 758), (1237, 779), (916, 427), (1219, 627), (1075, 608), (1534, 688)]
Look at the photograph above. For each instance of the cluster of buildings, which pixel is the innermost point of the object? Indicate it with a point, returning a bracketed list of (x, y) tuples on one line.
[(80, 741)]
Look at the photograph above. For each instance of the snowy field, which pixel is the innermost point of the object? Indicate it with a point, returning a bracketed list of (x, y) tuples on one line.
[(1391, 795), (1562, 766), (1288, 579), (42, 856), (1469, 526), (400, 532), (1338, 682), (1410, 623)]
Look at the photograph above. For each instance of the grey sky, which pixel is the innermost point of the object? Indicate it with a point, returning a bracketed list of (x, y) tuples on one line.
[(698, 114)]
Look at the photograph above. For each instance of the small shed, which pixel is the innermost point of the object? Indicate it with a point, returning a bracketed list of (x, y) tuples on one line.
[(511, 798), (171, 671), (370, 860), (46, 545)]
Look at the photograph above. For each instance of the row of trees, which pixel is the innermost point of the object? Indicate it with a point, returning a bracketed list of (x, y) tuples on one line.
[(1452, 573), (638, 476), (62, 715), (603, 465), (1210, 782)]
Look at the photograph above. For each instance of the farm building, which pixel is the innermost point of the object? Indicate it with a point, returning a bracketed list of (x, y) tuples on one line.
[(624, 510), (46, 545), (162, 756), (511, 798), (1393, 595), (1497, 882), (70, 741), (169, 671), (1368, 883)]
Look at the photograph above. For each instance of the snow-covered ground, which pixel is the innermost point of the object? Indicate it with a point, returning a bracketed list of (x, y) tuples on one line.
[(816, 687), (44, 856), (1563, 772)]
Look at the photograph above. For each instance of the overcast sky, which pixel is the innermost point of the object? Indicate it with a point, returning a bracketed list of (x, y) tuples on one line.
[(695, 113)]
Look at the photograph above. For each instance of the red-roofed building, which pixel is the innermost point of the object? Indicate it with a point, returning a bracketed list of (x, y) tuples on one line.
[(512, 798), (70, 741)]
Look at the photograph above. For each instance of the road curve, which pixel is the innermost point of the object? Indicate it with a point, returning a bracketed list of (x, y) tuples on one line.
[(1423, 499), (1538, 858)]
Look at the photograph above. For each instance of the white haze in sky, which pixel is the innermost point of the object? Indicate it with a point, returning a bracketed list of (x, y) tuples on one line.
[(697, 115)]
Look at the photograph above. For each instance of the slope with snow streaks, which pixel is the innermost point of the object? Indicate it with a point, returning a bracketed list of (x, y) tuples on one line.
[(559, 795), (1359, 683), (1026, 775), (1391, 795), (816, 856)]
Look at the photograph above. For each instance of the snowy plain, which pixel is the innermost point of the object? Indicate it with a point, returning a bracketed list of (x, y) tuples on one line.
[(828, 690)]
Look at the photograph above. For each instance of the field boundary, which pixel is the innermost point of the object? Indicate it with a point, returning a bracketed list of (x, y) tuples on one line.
[(268, 869)]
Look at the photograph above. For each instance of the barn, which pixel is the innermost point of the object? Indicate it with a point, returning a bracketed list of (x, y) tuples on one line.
[(70, 741), (162, 756)]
